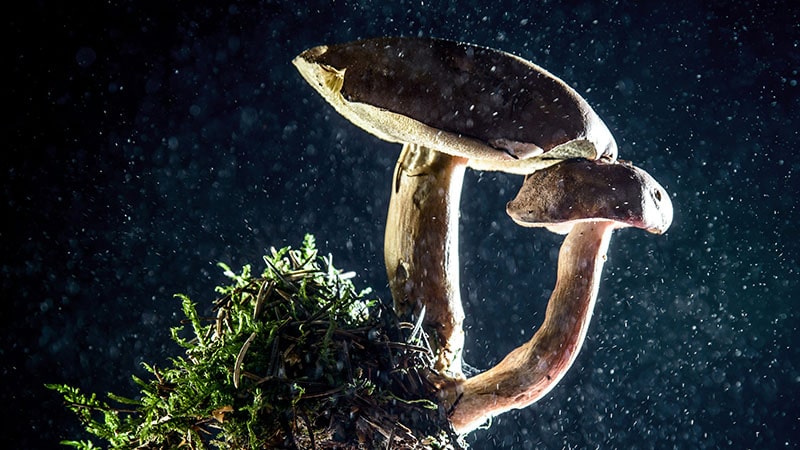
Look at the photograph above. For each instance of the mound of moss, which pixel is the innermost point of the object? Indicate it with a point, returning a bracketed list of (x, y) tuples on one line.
[(294, 357)]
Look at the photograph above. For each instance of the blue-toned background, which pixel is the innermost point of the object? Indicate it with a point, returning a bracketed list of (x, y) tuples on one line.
[(146, 141)]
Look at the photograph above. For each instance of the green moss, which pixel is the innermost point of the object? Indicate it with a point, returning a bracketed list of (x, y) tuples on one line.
[(295, 357)]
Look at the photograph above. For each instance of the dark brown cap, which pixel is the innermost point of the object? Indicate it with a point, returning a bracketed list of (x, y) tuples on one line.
[(582, 190), (496, 109)]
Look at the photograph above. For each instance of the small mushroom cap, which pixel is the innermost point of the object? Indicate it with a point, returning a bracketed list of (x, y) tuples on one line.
[(581, 190), (499, 111)]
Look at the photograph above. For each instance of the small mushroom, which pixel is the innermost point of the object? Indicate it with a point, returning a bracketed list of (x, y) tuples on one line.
[(452, 105), (587, 199)]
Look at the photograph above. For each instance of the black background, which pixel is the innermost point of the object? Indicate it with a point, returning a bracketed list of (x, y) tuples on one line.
[(146, 141)]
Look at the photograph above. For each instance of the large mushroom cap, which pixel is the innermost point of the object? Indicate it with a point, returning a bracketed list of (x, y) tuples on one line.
[(581, 190), (499, 111)]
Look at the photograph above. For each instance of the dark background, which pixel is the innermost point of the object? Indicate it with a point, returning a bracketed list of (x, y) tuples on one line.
[(146, 141)]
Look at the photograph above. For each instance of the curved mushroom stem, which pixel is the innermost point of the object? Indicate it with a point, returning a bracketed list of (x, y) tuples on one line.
[(532, 370), (421, 248)]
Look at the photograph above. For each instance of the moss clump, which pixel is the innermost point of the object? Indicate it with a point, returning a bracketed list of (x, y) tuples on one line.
[(293, 358)]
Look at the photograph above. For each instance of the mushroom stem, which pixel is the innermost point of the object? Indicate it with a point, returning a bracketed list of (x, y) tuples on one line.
[(421, 248), (533, 369)]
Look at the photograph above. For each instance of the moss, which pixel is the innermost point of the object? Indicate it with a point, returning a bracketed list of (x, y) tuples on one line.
[(295, 357)]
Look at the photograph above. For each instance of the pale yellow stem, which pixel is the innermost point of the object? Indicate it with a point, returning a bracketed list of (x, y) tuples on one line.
[(421, 248)]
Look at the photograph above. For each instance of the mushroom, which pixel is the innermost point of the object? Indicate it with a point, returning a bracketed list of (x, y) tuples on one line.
[(452, 105), (587, 200)]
